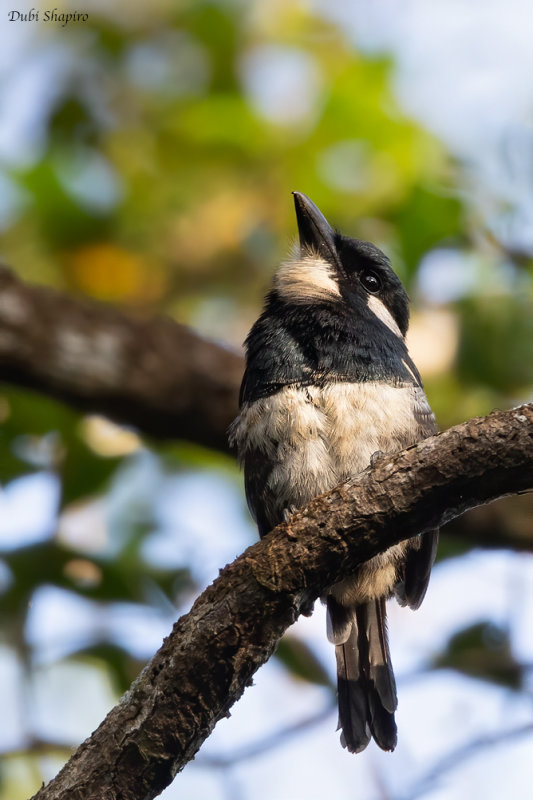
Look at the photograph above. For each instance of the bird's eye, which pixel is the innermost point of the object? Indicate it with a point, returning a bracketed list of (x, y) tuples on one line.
[(370, 281)]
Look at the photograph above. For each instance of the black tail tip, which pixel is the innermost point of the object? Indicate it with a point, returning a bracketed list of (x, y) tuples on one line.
[(385, 738)]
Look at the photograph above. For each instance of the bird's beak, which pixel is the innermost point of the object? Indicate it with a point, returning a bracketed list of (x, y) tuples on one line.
[(316, 234)]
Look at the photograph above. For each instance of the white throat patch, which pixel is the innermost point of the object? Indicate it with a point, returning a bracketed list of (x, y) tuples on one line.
[(306, 279), (383, 314)]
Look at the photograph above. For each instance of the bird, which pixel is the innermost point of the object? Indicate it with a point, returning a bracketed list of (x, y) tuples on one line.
[(328, 384)]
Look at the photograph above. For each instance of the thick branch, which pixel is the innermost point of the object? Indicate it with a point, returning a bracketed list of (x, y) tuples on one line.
[(212, 653), (153, 374)]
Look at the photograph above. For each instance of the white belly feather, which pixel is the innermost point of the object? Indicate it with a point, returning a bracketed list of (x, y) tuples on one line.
[(318, 437)]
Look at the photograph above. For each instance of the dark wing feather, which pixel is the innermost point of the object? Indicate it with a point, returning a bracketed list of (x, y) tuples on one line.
[(419, 561), (418, 566), (257, 469)]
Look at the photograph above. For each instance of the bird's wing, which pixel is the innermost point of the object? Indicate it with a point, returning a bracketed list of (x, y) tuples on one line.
[(257, 468), (419, 560)]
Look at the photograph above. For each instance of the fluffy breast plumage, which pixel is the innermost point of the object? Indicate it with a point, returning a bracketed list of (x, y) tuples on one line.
[(302, 441)]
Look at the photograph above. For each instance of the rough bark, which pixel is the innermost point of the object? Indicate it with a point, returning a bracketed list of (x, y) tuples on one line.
[(212, 653), (153, 373)]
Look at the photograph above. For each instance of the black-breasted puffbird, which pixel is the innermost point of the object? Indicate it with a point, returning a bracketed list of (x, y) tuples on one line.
[(328, 383)]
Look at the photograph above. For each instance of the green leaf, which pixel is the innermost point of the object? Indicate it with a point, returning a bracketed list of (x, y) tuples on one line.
[(38, 423), (483, 651), (426, 219), (124, 579), (496, 343), (63, 221), (301, 661)]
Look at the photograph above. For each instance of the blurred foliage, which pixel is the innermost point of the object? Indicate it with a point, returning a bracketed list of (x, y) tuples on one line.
[(495, 350), (41, 433), (161, 181), (483, 651), (302, 662)]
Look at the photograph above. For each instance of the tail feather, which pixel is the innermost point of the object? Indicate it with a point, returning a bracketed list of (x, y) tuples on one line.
[(353, 702), (379, 662), (382, 723), (366, 685), (339, 620)]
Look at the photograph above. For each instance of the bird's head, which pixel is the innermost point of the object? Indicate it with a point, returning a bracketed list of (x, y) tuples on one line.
[(335, 269)]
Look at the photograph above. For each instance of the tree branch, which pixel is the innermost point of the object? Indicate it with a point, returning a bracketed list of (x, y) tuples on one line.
[(212, 653), (153, 374)]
